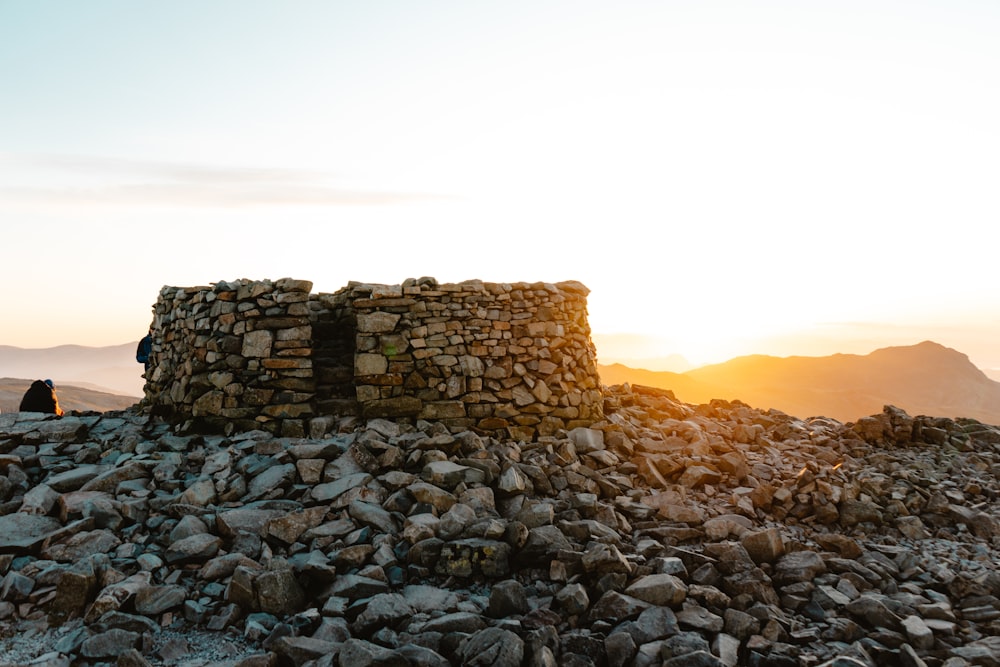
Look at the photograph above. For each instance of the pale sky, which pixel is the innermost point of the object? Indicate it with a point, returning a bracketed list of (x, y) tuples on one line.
[(726, 177)]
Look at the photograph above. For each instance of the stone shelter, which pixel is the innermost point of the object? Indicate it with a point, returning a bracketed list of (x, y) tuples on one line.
[(512, 359)]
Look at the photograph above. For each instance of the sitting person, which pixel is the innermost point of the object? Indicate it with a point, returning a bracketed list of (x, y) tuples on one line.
[(41, 397)]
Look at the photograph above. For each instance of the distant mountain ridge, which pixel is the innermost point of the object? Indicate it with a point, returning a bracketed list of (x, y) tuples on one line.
[(111, 369), (922, 379), (71, 397)]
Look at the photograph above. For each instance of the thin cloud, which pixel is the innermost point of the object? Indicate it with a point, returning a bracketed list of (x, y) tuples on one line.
[(202, 195), (123, 182)]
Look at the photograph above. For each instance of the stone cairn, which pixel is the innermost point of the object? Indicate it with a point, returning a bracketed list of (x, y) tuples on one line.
[(510, 358)]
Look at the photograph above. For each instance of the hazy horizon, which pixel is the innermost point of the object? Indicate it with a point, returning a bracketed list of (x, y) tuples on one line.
[(634, 350), (661, 352), (727, 178), (622, 347)]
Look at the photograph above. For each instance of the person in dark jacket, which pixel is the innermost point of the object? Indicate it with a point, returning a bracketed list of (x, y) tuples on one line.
[(144, 349), (41, 397)]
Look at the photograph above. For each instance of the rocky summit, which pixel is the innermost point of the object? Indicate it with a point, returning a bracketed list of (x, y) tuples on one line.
[(665, 534)]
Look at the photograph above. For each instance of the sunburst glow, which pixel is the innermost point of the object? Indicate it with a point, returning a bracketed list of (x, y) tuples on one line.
[(727, 179)]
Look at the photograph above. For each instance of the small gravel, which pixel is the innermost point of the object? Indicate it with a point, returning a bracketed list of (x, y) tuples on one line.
[(34, 644)]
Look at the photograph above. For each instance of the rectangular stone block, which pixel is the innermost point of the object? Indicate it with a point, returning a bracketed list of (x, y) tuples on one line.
[(401, 406), (443, 410)]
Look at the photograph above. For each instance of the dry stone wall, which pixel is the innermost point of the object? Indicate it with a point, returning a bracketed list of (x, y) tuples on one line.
[(233, 356), (506, 358)]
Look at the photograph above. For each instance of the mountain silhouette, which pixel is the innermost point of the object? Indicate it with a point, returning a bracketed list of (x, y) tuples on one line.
[(922, 379)]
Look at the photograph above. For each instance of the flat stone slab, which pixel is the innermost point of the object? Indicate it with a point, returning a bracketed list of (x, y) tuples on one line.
[(21, 532)]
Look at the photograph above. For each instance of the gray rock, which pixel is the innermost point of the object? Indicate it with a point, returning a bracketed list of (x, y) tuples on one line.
[(81, 545), (698, 475), (459, 622), (664, 590), (196, 548), (694, 659), (535, 514), (919, 635), (764, 546), (130, 622), (279, 592), (853, 512), (16, 587), (74, 478), (727, 648), (732, 557), (109, 644), (66, 429), (798, 566), (454, 522), (373, 515), (572, 599), (985, 651), (188, 525), (132, 658), (740, 624), (432, 495), (221, 567), (542, 545), (75, 589), (360, 653), (200, 493), (430, 598), (587, 440), (109, 480), (249, 519), (613, 606), (355, 586), (683, 644), (845, 661), (270, 479), (652, 624), (153, 600), (51, 659), (383, 610), (301, 650), (422, 655), (874, 613), (620, 649), (449, 475), (331, 492), (492, 647), (695, 616), (908, 657), (21, 533)]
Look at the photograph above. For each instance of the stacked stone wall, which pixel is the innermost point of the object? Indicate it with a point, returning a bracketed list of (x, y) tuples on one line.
[(497, 357), (234, 356), (508, 358)]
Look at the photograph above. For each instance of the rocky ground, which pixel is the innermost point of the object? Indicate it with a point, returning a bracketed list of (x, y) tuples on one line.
[(668, 534)]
